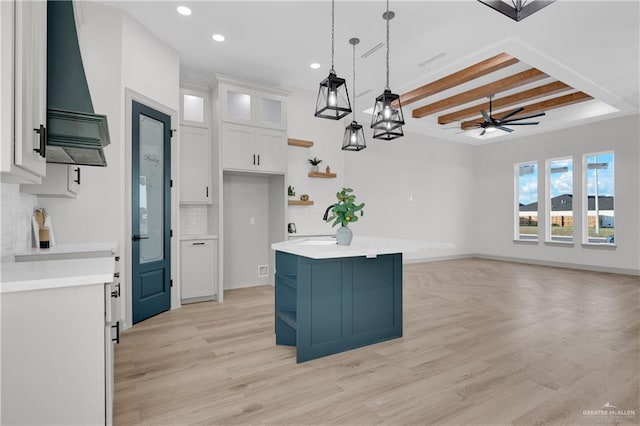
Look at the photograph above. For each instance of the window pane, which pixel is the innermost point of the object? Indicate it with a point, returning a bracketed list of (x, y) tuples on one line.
[(561, 200), (600, 215), (527, 191)]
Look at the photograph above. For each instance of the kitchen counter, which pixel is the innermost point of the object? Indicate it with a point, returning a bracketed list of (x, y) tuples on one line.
[(65, 251), (41, 275), (371, 247)]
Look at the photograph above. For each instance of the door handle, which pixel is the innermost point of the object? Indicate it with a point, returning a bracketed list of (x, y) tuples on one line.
[(77, 179), (42, 131), (140, 237)]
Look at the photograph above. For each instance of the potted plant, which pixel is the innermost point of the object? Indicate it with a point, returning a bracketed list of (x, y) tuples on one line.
[(291, 191), (315, 161), (344, 212)]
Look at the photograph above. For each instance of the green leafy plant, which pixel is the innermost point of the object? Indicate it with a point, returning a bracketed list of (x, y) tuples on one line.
[(345, 210), (291, 191), (315, 161)]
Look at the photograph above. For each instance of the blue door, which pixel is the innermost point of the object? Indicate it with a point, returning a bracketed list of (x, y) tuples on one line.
[(151, 212)]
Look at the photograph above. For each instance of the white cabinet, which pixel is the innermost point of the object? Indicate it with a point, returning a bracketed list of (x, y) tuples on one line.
[(251, 148), (23, 87), (198, 271), (55, 355), (195, 165), (194, 107), (62, 180), (253, 106)]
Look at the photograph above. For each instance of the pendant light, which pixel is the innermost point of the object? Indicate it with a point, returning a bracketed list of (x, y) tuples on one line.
[(353, 134), (387, 119), (333, 97)]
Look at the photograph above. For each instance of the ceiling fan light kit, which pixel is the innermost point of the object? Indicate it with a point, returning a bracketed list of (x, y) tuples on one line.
[(333, 98), (353, 134), (520, 9), (387, 119)]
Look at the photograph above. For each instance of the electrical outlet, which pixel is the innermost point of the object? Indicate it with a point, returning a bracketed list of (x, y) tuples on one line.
[(263, 270)]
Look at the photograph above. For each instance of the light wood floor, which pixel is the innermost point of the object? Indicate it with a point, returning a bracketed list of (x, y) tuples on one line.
[(485, 342)]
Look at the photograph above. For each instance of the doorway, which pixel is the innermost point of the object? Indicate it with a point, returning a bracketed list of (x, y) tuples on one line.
[(151, 211)]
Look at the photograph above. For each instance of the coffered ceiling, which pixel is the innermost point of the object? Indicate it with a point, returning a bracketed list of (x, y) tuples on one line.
[(576, 60)]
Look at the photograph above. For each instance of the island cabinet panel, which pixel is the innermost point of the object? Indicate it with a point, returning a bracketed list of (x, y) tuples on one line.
[(326, 306)]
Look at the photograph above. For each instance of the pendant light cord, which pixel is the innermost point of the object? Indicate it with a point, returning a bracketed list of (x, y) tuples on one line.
[(387, 19), (354, 82), (332, 31)]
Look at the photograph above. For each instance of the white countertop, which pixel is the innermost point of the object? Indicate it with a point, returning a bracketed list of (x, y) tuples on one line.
[(198, 237), (325, 248), (41, 275), (67, 251)]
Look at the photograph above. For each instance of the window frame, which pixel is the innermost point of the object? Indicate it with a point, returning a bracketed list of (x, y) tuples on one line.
[(585, 198), (516, 205), (548, 208)]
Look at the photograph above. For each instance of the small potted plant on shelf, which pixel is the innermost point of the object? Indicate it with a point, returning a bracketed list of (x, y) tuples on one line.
[(291, 191), (344, 212), (315, 161)]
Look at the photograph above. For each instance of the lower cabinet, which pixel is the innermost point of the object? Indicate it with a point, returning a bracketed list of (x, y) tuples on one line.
[(198, 271), (62, 180), (57, 356)]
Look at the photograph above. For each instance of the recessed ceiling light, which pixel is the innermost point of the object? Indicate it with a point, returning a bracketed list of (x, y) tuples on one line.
[(218, 37), (315, 65), (184, 10)]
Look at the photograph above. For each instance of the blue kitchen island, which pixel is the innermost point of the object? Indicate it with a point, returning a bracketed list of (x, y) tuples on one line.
[(332, 298)]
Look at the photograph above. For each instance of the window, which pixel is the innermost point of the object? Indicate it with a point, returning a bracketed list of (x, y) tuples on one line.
[(560, 200), (526, 218), (598, 208)]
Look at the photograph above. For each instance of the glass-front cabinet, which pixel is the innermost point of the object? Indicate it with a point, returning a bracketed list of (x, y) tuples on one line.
[(252, 106)]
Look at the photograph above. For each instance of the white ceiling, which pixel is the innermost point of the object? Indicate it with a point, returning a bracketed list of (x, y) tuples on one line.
[(591, 45)]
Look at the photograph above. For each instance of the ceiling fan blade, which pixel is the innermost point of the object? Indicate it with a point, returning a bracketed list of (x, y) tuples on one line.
[(531, 123), (514, 112), (483, 132), (525, 117), (506, 129), (486, 116)]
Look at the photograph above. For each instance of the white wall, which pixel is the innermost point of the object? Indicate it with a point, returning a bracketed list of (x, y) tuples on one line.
[(327, 138), (16, 210), (494, 193), (414, 187)]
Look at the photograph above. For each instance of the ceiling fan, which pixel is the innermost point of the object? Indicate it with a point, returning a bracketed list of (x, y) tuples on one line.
[(491, 124)]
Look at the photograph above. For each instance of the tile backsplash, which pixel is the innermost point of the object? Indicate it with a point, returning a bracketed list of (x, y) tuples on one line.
[(16, 211), (193, 220)]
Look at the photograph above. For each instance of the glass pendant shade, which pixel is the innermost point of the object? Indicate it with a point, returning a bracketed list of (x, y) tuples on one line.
[(333, 98), (387, 119), (353, 138)]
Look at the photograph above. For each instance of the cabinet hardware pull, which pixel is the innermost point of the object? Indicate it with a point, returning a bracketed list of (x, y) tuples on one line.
[(116, 292), (117, 258), (254, 159), (77, 180), (197, 244), (258, 159), (207, 192), (42, 131), (116, 275), (140, 237), (117, 327)]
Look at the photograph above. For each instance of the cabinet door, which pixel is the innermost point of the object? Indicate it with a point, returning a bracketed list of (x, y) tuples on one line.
[(74, 177), (273, 150), (198, 270), (30, 85), (238, 105), (195, 165), (238, 147), (62, 180), (194, 108), (271, 112)]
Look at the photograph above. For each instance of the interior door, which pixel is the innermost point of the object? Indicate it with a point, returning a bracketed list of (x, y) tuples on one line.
[(151, 212)]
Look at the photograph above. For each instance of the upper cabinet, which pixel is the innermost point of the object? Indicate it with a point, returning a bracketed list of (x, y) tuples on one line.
[(23, 90), (194, 108), (252, 105)]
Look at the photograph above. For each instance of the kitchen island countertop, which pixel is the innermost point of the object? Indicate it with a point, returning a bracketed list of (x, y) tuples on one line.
[(326, 248)]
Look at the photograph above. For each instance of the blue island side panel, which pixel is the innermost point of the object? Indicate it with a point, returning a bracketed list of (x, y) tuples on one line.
[(346, 303)]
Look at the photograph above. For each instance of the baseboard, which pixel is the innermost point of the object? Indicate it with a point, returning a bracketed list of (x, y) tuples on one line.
[(437, 259), (579, 266)]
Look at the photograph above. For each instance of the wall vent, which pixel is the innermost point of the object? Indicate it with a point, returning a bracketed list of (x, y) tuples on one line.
[(263, 270)]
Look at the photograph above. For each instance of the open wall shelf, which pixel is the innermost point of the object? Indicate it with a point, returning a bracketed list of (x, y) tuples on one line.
[(300, 203), (300, 143), (322, 175)]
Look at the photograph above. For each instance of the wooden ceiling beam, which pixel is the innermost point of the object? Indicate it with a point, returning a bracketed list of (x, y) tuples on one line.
[(549, 104), (485, 67), (507, 83), (516, 98)]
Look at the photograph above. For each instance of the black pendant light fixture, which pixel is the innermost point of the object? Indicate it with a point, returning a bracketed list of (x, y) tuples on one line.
[(353, 133), (333, 97), (387, 119)]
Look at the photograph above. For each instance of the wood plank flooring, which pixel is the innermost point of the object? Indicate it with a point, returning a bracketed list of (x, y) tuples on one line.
[(485, 343)]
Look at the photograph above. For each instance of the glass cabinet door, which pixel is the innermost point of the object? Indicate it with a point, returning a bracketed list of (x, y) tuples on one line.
[(238, 106)]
